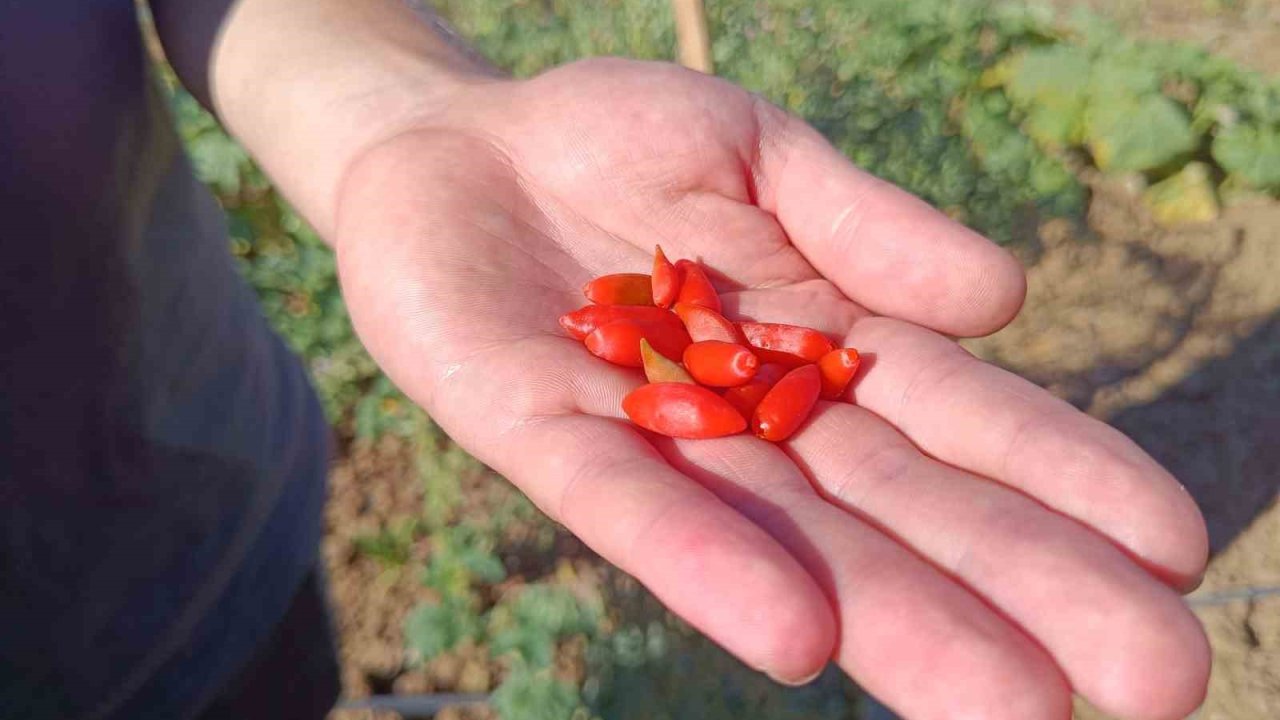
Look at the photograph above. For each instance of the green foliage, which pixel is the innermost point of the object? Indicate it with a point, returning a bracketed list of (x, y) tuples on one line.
[(461, 557), (1138, 133), (540, 615), (1146, 106), (887, 83), (433, 629), (535, 694), (441, 465), (384, 409), (528, 37), (1105, 98), (392, 546), (218, 160), (1051, 86), (523, 627), (1250, 153), (461, 560)]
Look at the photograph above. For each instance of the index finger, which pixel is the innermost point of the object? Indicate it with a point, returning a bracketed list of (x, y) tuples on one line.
[(556, 434), (883, 247)]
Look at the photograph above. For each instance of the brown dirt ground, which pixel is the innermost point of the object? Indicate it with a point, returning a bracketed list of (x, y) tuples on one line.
[(1174, 337), (379, 485), (374, 486)]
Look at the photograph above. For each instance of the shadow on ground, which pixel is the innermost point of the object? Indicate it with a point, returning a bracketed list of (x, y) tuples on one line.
[(1218, 431)]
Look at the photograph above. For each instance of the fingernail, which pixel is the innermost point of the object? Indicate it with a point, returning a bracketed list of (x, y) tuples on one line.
[(801, 681)]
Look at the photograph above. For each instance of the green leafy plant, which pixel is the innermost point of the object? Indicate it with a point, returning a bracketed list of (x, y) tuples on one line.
[(536, 694), (539, 616), (1250, 153), (523, 628), (461, 557), (392, 546), (433, 629)]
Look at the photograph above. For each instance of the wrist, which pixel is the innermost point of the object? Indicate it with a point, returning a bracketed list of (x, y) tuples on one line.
[(309, 86)]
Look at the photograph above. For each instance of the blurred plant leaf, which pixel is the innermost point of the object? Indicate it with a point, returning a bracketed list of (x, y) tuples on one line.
[(531, 625), (1186, 197), (527, 694), (431, 630), (1133, 133), (1250, 153), (384, 409), (217, 161), (391, 546), (461, 556), (1052, 85)]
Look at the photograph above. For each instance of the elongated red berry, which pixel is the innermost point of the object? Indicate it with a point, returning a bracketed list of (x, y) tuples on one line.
[(682, 411), (619, 341), (620, 289), (584, 321), (787, 405), (745, 398), (695, 287), (703, 323), (838, 368), (666, 279), (720, 364), (780, 343)]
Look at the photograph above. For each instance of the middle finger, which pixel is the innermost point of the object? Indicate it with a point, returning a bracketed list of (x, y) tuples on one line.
[(910, 635), (991, 422)]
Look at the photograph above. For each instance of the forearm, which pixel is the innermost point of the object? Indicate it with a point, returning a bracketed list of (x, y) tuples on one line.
[(307, 85)]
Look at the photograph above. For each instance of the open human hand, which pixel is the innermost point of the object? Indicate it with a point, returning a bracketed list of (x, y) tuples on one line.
[(960, 542)]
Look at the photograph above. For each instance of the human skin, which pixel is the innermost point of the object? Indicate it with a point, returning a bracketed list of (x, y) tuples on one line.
[(960, 542)]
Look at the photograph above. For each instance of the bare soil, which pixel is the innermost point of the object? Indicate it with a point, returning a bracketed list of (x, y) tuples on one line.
[(375, 486), (371, 487), (1174, 337)]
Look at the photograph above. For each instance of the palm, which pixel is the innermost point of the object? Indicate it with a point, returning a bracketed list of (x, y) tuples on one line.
[(961, 543)]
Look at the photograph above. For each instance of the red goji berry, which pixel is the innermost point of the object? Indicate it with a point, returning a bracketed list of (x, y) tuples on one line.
[(787, 405), (619, 341), (720, 364), (703, 323), (695, 287), (620, 289), (682, 411), (745, 398), (666, 279), (776, 342), (584, 321), (838, 367)]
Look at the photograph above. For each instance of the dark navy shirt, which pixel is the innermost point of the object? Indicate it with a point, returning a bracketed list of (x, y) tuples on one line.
[(161, 454)]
